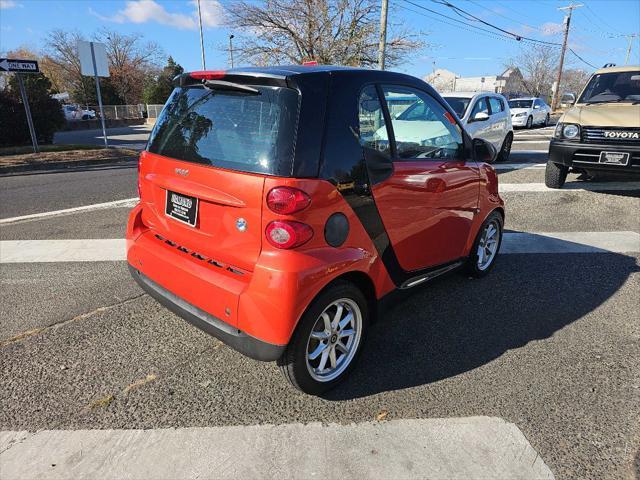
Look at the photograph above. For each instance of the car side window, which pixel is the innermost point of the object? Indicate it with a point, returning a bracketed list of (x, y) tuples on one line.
[(496, 106), (423, 129), (480, 106), (373, 129)]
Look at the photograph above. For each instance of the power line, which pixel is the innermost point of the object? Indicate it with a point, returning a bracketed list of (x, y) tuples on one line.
[(505, 17), (514, 35), (582, 59)]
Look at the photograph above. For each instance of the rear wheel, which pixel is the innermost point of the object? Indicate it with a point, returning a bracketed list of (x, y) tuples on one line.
[(529, 122), (505, 151), (328, 339), (555, 175), (485, 248)]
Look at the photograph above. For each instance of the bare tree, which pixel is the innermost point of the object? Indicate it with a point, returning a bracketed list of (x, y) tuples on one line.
[(62, 64), (341, 32), (130, 61), (538, 64), (574, 80)]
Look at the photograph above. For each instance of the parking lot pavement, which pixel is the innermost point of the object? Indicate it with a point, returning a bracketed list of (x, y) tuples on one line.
[(134, 137), (548, 342)]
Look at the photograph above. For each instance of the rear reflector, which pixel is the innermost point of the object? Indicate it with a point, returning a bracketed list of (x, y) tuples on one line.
[(310, 63), (288, 234), (208, 74), (287, 200)]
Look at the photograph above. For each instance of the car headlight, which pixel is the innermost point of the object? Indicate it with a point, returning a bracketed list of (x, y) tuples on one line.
[(521, 114), (570, 131)]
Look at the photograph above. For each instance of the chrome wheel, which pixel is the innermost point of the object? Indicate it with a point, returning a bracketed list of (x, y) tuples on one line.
[(334, 340), (488, 245)]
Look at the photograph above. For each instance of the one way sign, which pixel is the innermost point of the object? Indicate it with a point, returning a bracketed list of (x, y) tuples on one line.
[(20, 66)]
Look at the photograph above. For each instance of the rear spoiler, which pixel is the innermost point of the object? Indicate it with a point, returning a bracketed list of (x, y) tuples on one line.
[(229, 80)]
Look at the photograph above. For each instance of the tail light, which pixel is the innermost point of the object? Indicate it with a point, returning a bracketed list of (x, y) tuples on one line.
[(287, 200), (288, 234), (208, 74), (139, 181)]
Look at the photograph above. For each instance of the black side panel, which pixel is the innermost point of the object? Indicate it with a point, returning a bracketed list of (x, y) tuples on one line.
[(311, 122)]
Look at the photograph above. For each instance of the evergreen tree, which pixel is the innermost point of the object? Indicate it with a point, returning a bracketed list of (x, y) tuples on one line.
[(157, 91)]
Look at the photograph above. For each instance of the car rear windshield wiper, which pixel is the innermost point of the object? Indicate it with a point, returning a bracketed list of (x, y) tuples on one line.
[(230, 86)]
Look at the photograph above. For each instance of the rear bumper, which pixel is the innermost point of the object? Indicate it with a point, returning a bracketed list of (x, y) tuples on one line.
[(586, 156), (236, 339)]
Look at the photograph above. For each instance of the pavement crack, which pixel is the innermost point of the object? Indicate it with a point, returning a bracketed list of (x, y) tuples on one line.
[(82, 316), (16, 442)]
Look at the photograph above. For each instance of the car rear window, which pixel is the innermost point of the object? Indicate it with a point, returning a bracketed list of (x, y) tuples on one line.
[(459, 104), (249, 132)]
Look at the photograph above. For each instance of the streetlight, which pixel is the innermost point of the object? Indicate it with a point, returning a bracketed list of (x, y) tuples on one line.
[(231, 37)]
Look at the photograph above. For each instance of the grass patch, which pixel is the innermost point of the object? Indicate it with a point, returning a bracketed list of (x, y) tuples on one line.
[(21, 150), (139, 383)]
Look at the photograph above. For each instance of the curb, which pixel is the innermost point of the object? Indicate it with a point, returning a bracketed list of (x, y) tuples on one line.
[(61, 166)]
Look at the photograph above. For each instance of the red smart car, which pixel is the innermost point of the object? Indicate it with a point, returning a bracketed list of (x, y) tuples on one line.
[(280, 206)]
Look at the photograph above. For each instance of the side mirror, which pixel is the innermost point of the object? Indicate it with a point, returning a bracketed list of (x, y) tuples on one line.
[(535, 107), (480, 117), (483, 151)]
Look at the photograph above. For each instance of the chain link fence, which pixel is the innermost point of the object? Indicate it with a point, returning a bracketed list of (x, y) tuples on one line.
[(153, 110), (119, 112)]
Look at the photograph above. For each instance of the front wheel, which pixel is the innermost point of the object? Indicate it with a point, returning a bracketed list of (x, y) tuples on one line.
[(485, 248), (555, 175), (327, 340), (529, 122), (546, 120), (505, 151)]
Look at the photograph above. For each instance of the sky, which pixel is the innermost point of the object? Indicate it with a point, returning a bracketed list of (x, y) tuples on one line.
[(596, 34)]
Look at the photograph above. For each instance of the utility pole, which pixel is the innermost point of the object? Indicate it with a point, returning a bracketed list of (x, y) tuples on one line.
[(567, 23), (231, 37), (383, 33), (631, 37), (204, 67)]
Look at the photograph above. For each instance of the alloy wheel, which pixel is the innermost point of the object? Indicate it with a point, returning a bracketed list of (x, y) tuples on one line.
[(334, 340), (488, 245)]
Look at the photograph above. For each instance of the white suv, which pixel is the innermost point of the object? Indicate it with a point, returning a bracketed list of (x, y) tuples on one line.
[(527, 112), (485, 115)]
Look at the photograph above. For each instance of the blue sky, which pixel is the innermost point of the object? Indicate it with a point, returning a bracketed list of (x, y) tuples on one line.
[(595, 29)]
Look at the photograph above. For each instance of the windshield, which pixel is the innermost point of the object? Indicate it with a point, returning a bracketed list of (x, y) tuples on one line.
[(238, 131), (612, 87), (520, 103), (459, 104)]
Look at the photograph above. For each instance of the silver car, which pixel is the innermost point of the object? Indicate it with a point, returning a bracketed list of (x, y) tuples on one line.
[(485, 115)]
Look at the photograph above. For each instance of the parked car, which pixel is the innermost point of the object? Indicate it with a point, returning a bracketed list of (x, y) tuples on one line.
[(601, 133), (76, 112), (273, 216), (485, 115), (527, 112)]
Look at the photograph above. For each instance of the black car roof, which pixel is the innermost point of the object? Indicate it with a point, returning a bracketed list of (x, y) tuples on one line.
[(289, 71)]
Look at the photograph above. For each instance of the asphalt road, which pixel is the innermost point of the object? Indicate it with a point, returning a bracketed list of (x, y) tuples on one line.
[(550, 342), (132, 137)]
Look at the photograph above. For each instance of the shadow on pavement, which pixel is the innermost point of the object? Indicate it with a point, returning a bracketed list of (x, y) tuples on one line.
[(456, 324)]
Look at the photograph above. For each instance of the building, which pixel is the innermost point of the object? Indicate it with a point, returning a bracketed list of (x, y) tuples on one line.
[(508, 83)]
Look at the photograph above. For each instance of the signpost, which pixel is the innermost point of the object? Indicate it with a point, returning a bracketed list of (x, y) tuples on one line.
[(94, 62), (19, 67)]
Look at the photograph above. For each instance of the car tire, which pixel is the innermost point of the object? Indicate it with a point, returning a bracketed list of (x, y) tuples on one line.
[(555, 175), (546, 120), (85, 117), (301, 361), (486, 246), (529, 122), (505, 150)]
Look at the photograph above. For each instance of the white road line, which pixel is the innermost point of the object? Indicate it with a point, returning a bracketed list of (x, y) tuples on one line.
[(570, 242), (569, 187), (113, 250), (519, 166), (474, 447), (127, 202), (91, 250), (517, 142)]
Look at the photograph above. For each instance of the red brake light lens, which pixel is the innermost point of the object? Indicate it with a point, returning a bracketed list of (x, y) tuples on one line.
[(139, 180), (287, 200), (288, 234), (310, 63), (208, 74)]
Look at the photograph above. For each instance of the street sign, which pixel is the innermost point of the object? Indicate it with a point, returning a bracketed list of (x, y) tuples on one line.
[(18, 66), (87, 52), (94, 61)]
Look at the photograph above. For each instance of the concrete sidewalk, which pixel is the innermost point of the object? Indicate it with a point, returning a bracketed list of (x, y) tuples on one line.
[(474, 448)]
